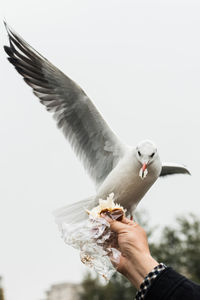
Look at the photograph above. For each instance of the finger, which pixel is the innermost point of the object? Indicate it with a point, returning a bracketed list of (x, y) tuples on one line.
[(118, 226), (115, 226), (124, 220), (127, 221)]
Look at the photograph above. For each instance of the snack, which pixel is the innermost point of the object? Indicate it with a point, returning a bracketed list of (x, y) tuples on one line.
[(108, 207)]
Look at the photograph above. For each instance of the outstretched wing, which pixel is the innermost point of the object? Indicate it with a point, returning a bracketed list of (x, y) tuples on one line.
[(172, 168), (83, 126)]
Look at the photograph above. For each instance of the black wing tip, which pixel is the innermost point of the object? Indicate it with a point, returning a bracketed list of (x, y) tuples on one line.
[(5, 23), (185, 171), (188, 172), (7, 49), (8, 28), (166, 171), (9, 52)]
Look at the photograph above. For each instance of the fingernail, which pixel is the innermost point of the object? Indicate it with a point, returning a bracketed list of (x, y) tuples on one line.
[(106, 217)]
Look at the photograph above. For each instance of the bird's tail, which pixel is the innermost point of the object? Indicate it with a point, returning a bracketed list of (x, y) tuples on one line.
[(75, 212)]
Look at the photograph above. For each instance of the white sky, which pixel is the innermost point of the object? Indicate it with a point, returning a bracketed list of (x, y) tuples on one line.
[(139, 61)]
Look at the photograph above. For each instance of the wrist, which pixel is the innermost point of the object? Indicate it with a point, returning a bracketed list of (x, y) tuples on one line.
[(138, 269)]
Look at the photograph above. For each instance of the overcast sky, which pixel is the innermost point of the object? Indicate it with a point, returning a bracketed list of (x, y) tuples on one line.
[(139, 61)]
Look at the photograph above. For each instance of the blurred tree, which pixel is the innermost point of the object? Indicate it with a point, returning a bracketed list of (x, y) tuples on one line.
[(92, 288), (117, 288), (1, 290), (178, 247)]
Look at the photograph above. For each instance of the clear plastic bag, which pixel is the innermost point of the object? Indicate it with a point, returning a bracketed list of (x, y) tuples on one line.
[(95, 241)]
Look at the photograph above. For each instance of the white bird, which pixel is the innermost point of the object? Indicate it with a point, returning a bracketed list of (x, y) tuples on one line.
[(128, 172)]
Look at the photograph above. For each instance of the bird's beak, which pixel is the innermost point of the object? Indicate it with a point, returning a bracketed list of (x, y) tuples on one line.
[(144, 167), (143, 171)]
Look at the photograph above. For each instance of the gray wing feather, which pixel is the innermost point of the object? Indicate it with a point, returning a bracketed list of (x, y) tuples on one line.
[(89, 135), (172, 168)]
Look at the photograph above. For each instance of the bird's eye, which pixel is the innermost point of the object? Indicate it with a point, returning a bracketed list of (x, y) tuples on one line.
[(152, 155), (139, 153)]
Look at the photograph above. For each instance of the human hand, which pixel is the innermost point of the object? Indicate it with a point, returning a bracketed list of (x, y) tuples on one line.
[(136, 260)]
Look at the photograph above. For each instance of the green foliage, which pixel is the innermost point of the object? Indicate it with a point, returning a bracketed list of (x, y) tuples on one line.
[(178, 247), (1, 290), (117, 288), (92, 288), (1, 294)]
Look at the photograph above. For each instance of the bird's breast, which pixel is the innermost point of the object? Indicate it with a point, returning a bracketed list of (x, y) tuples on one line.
[(126, 184)]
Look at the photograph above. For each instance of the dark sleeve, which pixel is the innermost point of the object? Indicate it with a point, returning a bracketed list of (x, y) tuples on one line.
[(170, 285)]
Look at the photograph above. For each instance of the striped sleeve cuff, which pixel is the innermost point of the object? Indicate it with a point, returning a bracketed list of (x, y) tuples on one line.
[(148, 281)]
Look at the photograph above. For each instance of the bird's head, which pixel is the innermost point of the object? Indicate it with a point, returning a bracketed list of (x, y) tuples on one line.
[(146, 153)]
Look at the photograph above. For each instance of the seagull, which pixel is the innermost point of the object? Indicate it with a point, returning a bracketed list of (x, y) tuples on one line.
[(114, 167)]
